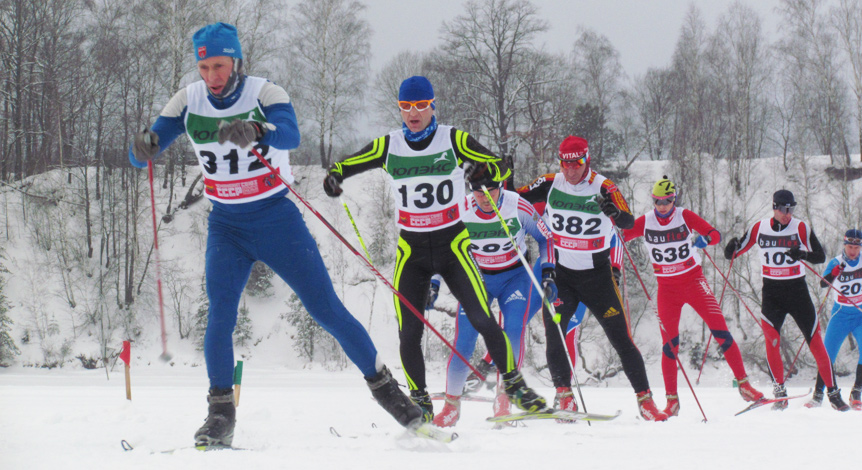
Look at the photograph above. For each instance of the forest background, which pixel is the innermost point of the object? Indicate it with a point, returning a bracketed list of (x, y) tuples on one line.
[(735, 115)]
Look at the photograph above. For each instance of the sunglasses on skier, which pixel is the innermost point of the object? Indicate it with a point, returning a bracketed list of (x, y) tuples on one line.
[(852, 241), (420, 105), (784, 208), (576, 163), (665, 202)]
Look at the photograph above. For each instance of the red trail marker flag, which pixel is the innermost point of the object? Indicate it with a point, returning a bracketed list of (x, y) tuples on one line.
[(126, 357)]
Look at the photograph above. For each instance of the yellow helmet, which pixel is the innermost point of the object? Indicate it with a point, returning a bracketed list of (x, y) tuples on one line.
[(663, 188)]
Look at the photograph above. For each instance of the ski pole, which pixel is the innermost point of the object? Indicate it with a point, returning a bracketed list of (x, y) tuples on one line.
[(539, 289), (733, 289), (165, 356), (817, 319), (355, 228), (661, 325), (367, 263), (720, 301)]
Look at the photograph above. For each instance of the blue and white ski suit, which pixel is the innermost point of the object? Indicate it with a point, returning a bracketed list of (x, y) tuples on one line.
[(252, 220), (505, 277)]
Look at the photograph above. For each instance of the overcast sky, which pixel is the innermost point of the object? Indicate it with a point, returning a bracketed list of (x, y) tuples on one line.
[(643, 31)]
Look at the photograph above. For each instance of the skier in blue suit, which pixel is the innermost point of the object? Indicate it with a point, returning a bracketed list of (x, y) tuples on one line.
[(223, 115), (845, 273)]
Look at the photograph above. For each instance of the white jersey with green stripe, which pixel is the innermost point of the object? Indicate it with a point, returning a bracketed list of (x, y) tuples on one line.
[(491, 246), (428, 184), (232, 175), (577, 222)]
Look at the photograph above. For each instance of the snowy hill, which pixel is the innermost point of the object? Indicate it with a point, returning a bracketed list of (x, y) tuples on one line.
[(39, 290), (283, 388)]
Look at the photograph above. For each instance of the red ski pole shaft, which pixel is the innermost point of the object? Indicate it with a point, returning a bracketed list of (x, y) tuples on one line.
[(708, 341), (733, 289), (366, 262), (793, 364), (830, 285), (158, 265), (817, 317)]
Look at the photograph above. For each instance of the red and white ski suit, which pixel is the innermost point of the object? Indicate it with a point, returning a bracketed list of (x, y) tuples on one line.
[(676, 264)]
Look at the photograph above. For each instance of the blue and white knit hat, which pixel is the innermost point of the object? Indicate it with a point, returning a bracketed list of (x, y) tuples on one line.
[(217, 39)]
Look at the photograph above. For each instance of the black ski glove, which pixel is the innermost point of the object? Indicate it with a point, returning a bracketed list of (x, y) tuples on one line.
[(618, 275), (477, 172), (731, 248), (332, 184), (609, 208), (797, 254)]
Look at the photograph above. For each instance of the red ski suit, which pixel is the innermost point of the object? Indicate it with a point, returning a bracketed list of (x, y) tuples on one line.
[(686, 287)]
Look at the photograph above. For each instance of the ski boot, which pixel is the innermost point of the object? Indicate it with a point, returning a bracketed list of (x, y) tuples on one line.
[(520, 394), (780, 392), (816, 399), (421, 398), (748, 392), (474, 384), (565, 400), (647, 407), (502, 405), (856, 398), (384, 389), (451, 412), (835, 399), (218, 427), (672, 407)]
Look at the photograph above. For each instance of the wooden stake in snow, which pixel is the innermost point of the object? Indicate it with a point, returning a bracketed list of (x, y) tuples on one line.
[(237, 381), (126, 356)]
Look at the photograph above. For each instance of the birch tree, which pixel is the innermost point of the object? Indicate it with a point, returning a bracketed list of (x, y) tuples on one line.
[(487, 52), (330, 51)]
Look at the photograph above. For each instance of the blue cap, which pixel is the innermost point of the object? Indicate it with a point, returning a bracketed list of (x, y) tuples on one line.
[(416, 88), (853, 237), (783, 197), (217, 39)]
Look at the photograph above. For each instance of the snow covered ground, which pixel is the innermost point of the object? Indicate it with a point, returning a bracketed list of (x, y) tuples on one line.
[(77, 418)]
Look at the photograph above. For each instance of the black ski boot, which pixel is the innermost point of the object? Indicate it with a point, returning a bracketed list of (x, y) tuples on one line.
[(835, 399), (384, 389), (780, 392), (520, 394), (218, 428), (421, 398), (474, 384)]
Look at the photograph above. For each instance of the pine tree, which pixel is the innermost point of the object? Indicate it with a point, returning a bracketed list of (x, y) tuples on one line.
[(8, 350), (260, 280), (307, 330), (242, 332)]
